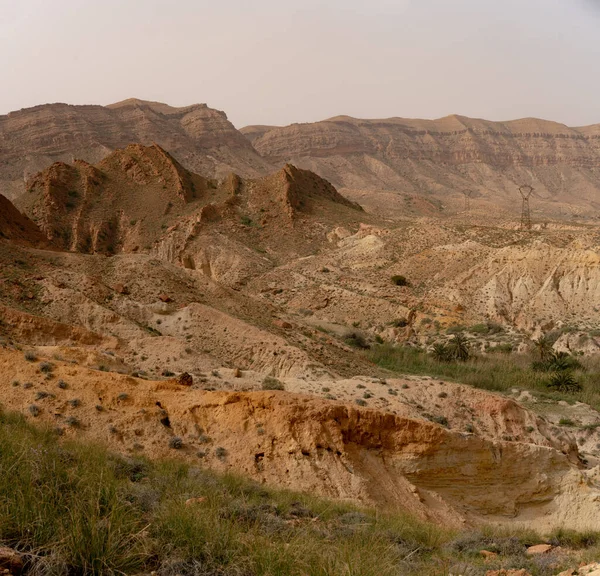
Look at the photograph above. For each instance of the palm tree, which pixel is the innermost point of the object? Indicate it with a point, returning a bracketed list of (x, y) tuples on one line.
[(544, 347), (459, 348), (564, 382), (441, 352)]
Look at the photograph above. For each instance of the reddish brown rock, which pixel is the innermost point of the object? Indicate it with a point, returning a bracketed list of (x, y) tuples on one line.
[(11, 560), (121, 289)]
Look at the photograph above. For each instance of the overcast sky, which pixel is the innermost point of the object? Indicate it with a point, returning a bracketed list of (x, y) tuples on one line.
[(284, 61)]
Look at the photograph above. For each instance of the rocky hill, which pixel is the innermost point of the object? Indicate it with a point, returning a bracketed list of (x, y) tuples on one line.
[(140, 199), (200, 137), (438, 159)]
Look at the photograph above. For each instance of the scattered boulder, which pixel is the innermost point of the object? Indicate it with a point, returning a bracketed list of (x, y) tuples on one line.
[(185, 379), (121, 289), (165, 298), (488, 555), (11, 560), (237, 373), (539, 549)]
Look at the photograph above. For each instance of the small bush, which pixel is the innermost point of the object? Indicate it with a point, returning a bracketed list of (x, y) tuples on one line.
[(270, 383), (400, 280), (360, 402), (72, 421), (62, 385), (46, 367), (356, 340), (75, 402), (34, 410), (566, 422), (30, 356), (220, 453), (123, 396), (176, 443), (574, 540)]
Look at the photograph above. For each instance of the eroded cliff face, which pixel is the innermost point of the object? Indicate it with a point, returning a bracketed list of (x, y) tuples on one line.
[(200, 137), (446, 156), (332, 448)]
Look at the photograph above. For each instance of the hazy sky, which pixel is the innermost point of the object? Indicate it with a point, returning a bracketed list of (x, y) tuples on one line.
[(283, 61)]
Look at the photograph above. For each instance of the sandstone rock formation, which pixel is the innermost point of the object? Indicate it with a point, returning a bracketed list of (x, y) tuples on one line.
[(202, 138), (441, 158)]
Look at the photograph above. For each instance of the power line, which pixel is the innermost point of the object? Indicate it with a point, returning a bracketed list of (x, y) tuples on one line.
[(526, 190)]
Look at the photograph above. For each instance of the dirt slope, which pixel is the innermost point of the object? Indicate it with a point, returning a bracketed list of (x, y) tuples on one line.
[(17, 227)]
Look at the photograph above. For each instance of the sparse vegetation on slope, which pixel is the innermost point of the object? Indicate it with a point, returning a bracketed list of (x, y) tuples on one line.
[(492, 372), (74, 508)]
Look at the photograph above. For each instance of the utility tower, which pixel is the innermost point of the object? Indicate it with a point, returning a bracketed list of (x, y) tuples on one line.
[(525, 191), (468, 194)]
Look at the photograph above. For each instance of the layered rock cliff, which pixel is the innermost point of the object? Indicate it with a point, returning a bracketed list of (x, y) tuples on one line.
[(200, 137), (444, 157)]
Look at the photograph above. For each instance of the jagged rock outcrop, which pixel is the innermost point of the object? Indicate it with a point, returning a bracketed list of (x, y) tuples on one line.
[(200, 137), (141, 199), (446, 156)]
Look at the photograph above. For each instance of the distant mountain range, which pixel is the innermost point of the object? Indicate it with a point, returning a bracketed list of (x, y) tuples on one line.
[(406, 161)]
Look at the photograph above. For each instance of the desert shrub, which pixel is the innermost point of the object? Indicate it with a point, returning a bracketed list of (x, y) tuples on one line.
[(399, 323), (356, 340), (270, 383), (75, 403), (123, 396), (566, 422), (220, 453), (400, 280), (441, 420), (574, 540), (30, 356), (62, 385), (46, 367), (360, 402), (72, 421), (176, 443), (34, 410), (456, 329)]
